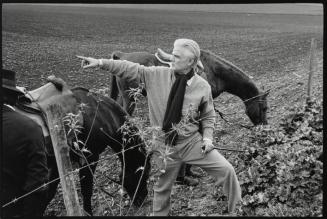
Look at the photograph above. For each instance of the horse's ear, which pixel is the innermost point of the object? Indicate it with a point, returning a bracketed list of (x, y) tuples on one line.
[(116, 55), (58, 82)]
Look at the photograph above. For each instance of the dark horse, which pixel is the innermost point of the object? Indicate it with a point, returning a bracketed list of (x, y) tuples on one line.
[(102, 118), (222, 76)]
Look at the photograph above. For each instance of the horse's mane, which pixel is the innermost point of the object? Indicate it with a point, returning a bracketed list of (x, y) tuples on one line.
[(218, 58), (232, 73)]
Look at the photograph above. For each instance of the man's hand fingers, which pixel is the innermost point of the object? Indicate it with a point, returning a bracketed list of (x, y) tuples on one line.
[(87, 66), (81, 57), (207, 148), (203, 149), (88, 62), (85, 61)]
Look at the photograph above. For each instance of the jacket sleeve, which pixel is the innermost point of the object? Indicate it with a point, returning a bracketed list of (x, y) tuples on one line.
[(36, 173), (207, 114), (130, 71)]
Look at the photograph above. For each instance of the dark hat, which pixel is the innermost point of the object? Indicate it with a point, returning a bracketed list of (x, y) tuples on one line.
[(9, 80)]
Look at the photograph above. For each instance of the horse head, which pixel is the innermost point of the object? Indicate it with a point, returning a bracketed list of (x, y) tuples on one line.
[(256, 108)]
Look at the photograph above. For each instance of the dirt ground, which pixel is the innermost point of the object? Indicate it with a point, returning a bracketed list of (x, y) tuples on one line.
[(274, 49)]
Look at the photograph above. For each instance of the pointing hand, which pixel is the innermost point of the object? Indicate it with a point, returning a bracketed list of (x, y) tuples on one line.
[(88, 62)]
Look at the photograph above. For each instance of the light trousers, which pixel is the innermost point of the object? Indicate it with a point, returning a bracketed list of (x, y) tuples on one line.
[(189, 151)]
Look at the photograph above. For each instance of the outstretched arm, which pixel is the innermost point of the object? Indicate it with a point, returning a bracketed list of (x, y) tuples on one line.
[(130, 71)]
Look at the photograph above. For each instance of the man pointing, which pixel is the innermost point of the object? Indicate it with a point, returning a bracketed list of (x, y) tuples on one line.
[(175, 93)]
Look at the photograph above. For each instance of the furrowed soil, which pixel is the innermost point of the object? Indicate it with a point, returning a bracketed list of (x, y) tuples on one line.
[(38, 41)]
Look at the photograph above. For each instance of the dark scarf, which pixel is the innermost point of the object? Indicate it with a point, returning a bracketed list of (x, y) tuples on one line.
[(173, 112)]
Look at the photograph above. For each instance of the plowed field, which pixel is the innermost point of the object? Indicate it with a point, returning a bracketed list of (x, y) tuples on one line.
[(38, 41)]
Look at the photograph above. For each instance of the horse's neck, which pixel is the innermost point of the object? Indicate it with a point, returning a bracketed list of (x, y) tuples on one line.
[(233, 80), (245, 91)]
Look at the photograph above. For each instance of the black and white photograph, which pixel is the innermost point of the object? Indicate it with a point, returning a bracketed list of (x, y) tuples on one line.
[(120, 109)]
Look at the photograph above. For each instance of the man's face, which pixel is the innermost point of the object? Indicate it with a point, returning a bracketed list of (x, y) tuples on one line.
[(182, 60)]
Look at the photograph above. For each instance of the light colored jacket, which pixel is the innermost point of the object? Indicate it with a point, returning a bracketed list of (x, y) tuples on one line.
[(158, 81)]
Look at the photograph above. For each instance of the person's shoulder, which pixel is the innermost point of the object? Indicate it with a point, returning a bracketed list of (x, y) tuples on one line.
[(201, 81), (162, 68), (161, 71), (23, 122)]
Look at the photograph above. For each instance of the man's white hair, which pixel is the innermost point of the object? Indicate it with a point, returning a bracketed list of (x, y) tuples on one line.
[(190, 45), (193, 47)]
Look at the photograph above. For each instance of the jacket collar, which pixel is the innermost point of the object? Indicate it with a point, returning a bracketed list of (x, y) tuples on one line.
[(189, 82)]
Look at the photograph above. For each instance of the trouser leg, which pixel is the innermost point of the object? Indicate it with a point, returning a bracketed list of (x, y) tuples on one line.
[(162, 189), (217, 166)]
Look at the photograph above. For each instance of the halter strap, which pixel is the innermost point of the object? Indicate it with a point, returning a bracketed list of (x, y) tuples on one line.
[(255, 97)]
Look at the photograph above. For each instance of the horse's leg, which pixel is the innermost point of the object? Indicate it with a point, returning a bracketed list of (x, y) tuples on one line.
[(128, 102), (86, 181), (114, 91)]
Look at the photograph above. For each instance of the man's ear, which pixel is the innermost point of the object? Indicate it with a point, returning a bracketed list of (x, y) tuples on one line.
[(191, 61)]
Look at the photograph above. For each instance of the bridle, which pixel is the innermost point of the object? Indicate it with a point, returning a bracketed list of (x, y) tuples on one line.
[(232, 123), (244, 101), (262, 94)]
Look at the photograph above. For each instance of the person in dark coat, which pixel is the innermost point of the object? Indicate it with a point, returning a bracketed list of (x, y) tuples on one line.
[(23, 157)]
